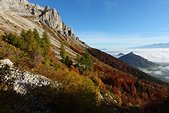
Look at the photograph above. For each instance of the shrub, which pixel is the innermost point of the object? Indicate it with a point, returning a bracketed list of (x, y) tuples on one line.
[(12, 39), (76, 95), (68, 61), (65, 58), (46, 47), (85, 63), (62, 52), (34, 47)]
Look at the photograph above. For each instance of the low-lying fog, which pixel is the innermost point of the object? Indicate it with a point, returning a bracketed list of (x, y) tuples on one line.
[(159, 56)]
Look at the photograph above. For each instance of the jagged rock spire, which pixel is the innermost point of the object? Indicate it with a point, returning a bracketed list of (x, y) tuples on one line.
[(45, 15)]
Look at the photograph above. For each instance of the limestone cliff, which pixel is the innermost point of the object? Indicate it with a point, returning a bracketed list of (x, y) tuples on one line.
[(45, 15)]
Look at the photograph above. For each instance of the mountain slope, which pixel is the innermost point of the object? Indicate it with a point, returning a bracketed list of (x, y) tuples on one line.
[(35, 39), (118, 64), (137, 61), (22, 15)]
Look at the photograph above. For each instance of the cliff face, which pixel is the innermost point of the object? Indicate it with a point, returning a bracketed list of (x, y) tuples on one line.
[(47, 16), (52, 18)]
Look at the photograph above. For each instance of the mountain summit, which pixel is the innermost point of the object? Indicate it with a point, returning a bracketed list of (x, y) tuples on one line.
[(137, 61)]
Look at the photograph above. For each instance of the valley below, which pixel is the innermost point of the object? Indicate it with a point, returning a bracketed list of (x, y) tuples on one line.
[(158, 56)]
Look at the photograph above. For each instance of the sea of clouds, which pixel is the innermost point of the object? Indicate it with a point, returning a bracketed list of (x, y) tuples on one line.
[(157, 55)]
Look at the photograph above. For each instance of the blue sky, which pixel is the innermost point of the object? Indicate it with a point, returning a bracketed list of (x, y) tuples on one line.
[(115, 23)]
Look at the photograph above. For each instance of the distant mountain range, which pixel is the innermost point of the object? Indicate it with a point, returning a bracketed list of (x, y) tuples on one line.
[(137, 61), (158, 45)]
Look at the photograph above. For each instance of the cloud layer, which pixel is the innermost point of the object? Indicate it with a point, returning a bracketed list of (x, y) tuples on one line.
[(160, 56)]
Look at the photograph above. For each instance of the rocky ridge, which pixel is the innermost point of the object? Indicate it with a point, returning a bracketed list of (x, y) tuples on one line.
[(22, 15), (47, 16), (20, 81)]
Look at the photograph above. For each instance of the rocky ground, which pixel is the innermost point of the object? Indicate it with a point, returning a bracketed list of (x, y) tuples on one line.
[(19, 80)]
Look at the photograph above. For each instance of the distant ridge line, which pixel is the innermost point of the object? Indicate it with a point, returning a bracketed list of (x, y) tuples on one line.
[(157, 45)]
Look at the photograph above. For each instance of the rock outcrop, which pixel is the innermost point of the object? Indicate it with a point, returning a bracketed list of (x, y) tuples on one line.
[(21, 81), (47, 16), (52, 18)]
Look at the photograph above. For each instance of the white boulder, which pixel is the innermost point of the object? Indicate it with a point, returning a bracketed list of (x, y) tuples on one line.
[(6, 62)]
